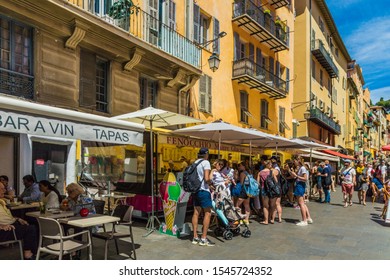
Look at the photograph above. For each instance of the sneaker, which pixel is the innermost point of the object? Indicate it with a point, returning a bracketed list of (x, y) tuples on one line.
[(301, 224), (206, 242), (195, 240), (297, 207), (310, 221)]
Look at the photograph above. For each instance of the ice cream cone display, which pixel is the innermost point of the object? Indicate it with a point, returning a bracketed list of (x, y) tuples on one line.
[(171, 194)]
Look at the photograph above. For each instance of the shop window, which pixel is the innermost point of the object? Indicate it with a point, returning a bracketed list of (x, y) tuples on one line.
[(93, 82), (205, 96), (148, 92), (244, 113), (265, 120), (16, 59)]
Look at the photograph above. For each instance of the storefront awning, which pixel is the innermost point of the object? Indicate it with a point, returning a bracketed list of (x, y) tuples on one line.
[(337, 154), (19, 116), (318, 155)]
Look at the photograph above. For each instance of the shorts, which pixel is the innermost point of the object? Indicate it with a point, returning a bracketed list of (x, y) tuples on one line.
[(347, 188), (243, 194), (319, 185), (202, 199), (300, 188), (362, 187)]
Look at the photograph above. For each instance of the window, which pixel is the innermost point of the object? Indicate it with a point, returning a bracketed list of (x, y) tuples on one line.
[(282, 120), (321, 24), (313, 99), (201, 26), (153, 22), (343, 103), (205, 97), (329, 86), (313, 69), (265, 120), (334, 95), (93, 82), (170, 14), (244, 113), (148, 92), (101, 7), (204, 26), (344, 83), (216, 33), (321, 78), (16, 59), (337, 52)]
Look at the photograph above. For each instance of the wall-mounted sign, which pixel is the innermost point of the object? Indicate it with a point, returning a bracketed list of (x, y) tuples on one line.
[(34, 125)]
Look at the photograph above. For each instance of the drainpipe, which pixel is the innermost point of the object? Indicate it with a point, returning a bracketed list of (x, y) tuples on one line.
[(310, 67)]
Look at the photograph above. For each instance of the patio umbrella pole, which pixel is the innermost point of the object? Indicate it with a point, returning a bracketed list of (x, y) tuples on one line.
[(219, 145), (150, 224), (250, 155)]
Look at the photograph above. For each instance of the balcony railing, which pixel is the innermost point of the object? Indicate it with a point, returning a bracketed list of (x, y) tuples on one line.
[(260, 24), (16, 84), (256, 76), (280, 3), (319, 117), (324, 58), (151, 30)]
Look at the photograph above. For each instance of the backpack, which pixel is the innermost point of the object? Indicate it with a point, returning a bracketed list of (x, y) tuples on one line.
[(191, 182), (271, 186), (251, 189)]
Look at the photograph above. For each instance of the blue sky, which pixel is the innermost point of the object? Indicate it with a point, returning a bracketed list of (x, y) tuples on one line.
[(364, 26)]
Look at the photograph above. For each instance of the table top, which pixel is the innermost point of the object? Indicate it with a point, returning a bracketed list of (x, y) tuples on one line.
[(23, 205), (89, 221), (48, 214)]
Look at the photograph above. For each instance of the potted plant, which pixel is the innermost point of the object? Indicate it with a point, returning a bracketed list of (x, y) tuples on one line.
[(120, 11)]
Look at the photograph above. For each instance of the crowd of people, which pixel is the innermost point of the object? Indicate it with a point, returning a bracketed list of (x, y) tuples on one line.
[(296, 181)]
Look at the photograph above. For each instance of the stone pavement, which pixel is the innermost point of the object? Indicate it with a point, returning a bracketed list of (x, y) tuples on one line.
[(353, 233)]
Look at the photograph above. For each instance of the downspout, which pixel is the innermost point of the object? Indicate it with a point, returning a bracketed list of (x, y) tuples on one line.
[(310, 66)]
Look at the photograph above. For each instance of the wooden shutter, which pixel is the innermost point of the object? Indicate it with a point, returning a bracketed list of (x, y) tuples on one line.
[(209, 95), (287, 79), (172, 14), (271, 65), (236, 46), (251, 52), (259, 57), (216, 33), (287, 36), (143, 88), (196, 23), (202, 92), (87, 94)]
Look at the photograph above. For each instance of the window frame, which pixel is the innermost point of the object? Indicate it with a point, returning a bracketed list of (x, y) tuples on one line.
[(148, 87)]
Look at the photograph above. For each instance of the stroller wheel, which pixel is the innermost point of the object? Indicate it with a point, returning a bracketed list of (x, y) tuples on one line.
[(228, 235), (246, 233), (236, 230), (218, 231)]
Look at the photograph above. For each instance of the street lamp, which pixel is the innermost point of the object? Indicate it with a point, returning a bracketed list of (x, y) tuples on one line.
[(214, 58)]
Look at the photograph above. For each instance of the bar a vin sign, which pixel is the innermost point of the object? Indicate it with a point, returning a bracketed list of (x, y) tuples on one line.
[(17, 123)]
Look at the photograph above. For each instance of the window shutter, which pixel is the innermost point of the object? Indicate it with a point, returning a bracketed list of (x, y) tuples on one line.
[(287, 79), (172, 14), (251, 52), (259, 57), (271, 65), (209, 95), (143, 86), (87, 92), (202, 92), (216, 33), (287, 36), (236, 46), (196, 23)]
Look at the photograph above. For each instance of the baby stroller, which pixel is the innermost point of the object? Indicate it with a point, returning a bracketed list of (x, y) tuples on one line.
[(229, 220)]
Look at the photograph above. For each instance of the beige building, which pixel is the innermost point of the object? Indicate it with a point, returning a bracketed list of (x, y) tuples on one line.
[(355, 103), (320, 82)]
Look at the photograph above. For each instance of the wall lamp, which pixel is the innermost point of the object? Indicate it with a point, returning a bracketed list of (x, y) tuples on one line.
[(214, 58)]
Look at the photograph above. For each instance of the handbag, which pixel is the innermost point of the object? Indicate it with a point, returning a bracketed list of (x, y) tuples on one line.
[(236, 190)]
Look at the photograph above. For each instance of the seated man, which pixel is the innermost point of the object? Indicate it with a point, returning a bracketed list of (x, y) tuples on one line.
[(376, 185), (31, 193), (23, 230)]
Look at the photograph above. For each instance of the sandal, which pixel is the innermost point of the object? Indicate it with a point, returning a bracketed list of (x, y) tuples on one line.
[(350, 204), (263, 223), (271, 222)]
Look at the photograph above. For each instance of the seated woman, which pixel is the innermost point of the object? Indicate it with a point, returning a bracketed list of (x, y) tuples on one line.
[(51, 197), (77, 199), (23, 230)]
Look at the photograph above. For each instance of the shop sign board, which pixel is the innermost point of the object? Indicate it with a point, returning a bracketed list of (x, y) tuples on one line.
[(35, 125), (199, 143)]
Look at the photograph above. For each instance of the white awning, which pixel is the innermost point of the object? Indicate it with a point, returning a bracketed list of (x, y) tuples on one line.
[(20, 116)]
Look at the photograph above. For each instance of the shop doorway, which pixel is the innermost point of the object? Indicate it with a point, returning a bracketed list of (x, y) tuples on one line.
[(9, 151), (49, 163)]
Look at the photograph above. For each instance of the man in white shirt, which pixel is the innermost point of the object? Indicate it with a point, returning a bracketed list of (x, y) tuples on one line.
[(348, 177), (202, 199), (383, 171)]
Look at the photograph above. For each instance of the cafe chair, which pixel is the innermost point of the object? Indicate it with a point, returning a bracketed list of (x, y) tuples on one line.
[(63, 244), (12, 242), (99, 206), (125, 213)]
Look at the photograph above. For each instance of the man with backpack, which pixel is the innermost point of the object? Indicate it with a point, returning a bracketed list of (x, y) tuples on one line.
[(202, 198)]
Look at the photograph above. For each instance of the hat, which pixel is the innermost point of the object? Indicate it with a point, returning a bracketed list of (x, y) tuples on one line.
[(203, 151), (347, 161)]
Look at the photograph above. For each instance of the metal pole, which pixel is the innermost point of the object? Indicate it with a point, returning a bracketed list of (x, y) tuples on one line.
[(219, 145), (311, 183), (250, 155)]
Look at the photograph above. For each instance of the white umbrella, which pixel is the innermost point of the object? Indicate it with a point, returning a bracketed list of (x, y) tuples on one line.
[(220, 130), (153, 117)]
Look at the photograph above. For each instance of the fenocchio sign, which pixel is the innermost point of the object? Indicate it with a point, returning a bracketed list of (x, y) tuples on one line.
[(19, 123)]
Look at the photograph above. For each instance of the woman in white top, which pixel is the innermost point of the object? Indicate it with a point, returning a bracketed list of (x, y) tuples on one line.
[(301, 178), (50, 195)]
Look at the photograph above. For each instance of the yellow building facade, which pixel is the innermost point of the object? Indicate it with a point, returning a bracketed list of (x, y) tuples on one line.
[(320, 62)]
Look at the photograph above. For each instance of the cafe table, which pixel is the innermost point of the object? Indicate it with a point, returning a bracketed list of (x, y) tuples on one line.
[(21, 206), (89, 221), (51, 214)]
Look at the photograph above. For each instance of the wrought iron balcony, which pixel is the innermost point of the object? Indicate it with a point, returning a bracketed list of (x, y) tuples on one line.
[(258, 23), (324, 58), (320, 118), (255, 76), (151, 30), (280, 3), (16, 84)]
